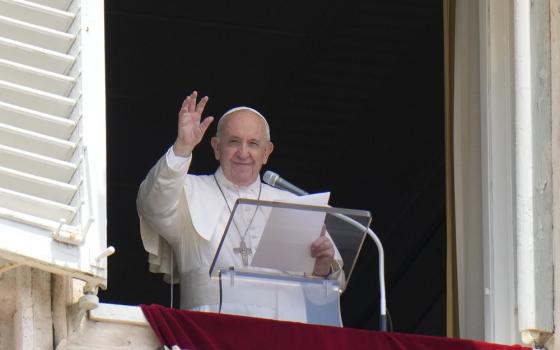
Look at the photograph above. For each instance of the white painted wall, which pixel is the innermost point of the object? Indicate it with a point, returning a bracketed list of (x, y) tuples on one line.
[(504, 197), (533, 166), (467, 157), (497, 162), (555, 113)]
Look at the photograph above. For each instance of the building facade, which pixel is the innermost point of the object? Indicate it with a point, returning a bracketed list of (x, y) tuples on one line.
[(503, 166)]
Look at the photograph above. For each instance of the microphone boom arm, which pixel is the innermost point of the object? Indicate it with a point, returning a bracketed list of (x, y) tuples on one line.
[(382, 301)]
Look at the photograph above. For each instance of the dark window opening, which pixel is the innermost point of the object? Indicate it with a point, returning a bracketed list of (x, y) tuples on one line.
[(353, 92)]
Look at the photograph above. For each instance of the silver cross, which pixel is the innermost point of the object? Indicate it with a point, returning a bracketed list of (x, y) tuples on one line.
[(244, 251)]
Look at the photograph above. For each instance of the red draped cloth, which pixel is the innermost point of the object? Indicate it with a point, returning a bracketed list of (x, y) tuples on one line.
[(207, 331)]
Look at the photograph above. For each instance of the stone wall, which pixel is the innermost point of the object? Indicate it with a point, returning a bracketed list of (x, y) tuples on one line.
[(39, 310)]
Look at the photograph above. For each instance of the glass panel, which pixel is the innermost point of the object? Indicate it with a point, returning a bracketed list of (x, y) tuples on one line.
[(300, 299), (274, 238)]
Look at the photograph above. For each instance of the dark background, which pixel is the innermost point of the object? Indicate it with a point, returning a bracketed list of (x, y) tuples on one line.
[(353, 92)]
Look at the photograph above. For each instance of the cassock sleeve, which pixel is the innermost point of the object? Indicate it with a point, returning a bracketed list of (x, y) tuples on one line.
[(158, 204)]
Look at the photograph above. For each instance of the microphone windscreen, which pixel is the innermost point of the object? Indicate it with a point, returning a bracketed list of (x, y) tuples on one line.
[(270, 177)]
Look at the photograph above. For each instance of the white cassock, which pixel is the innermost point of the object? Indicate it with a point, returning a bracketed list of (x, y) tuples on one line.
[(190, 213)]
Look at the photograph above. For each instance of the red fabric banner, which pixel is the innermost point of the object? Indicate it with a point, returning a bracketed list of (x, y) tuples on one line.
[(207, 331)]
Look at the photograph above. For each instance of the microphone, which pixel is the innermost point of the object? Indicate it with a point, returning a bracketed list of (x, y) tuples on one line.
[(275, 180)]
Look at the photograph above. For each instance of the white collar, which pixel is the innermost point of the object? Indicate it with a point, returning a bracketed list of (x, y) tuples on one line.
[(225, 183)]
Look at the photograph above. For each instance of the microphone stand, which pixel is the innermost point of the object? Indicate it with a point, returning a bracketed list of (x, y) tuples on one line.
[(382, 301)]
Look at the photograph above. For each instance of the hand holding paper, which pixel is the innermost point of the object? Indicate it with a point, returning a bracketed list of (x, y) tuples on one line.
[(322, 250), (289, 234)]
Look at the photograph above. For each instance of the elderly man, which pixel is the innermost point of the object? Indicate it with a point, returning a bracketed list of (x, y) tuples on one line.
[(190, 212)]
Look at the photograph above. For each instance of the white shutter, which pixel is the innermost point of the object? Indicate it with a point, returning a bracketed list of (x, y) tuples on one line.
[(52, 136)]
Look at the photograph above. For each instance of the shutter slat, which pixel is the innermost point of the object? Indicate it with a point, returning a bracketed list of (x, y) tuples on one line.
[(36, 186), (36, 14), (31, 120), (34, 99), (35, 35), (35, 164), (36, 143), (35, 206), (35, 78), (57, 4), (35, 56)]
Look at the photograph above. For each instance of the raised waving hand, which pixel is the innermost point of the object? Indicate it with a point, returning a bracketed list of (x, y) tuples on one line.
[(190, 128)]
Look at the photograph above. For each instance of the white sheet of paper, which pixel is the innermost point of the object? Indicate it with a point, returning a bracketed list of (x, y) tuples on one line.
[(288, 234)]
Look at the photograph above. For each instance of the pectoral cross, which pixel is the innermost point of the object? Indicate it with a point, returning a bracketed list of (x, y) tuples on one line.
[(244, 251)]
